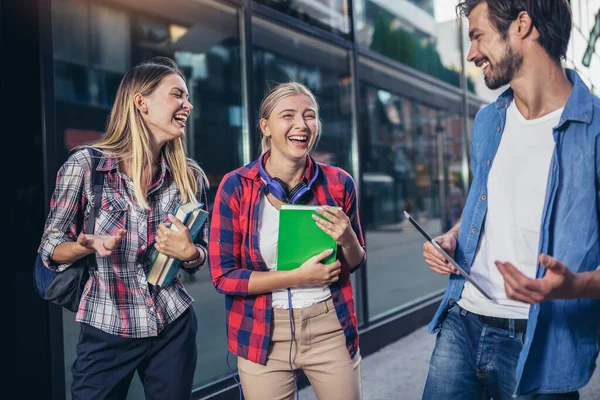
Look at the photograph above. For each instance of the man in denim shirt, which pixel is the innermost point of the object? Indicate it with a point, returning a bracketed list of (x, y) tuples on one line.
[(536, 167)]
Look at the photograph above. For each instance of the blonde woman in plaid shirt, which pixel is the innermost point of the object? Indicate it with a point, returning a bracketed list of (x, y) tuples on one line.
[(128, 325)]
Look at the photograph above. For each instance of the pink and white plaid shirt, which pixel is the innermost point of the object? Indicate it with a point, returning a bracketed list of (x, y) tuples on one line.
[(117, 298)]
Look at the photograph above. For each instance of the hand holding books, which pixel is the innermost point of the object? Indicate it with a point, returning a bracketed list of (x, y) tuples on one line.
[(176, 243), (300, 238), (314, 273), (336, 224)]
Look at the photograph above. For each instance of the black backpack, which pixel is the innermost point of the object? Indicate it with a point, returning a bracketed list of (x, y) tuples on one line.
[(65, 288)]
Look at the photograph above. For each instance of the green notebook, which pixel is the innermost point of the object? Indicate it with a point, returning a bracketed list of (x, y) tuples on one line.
[(300, 238)]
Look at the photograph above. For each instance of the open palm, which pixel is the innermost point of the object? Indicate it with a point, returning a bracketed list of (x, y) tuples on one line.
[(557, 283)]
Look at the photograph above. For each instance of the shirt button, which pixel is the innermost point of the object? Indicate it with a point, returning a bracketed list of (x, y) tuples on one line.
[(498, 129), (489, 162), (483, 197), (110, 208), (474, 230), (465, 261), (142, 247)]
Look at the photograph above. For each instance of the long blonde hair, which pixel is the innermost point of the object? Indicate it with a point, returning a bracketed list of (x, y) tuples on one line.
[(127, 138), (272, 98)]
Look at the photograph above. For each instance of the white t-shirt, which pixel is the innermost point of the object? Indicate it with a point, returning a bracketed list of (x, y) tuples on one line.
[(516, 194), (268, 233)]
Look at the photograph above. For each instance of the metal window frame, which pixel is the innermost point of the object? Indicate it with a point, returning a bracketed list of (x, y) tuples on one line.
[(50, 147)]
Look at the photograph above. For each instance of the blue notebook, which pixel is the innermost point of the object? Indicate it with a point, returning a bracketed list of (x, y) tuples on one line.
[(164, 269)]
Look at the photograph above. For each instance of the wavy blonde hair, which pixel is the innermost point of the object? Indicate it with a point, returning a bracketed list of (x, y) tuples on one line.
[(127, 137), (279, 92)]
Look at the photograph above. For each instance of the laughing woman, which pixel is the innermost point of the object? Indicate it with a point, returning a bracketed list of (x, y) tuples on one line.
[(243, 260), (128, 325)]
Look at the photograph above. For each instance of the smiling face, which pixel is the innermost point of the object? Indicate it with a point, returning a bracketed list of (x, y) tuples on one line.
[(166, 110), (292, 127), (499, 60)]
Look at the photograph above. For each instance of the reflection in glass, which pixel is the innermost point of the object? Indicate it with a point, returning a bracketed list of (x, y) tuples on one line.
[(409, 32), (402, 171), (91, 56), (331, 15), (323, 68)]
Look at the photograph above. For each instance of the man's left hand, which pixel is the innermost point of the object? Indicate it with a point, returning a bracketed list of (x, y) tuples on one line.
[(558, 282)]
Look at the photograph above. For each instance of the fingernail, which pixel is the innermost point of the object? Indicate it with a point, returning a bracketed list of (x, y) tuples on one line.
[(329, 251), (318, 209)]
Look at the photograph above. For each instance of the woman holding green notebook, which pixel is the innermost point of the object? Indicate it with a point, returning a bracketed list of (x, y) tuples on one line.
[(299, 319)]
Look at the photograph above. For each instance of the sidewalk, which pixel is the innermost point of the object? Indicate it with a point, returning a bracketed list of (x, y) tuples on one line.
[(398, 371)]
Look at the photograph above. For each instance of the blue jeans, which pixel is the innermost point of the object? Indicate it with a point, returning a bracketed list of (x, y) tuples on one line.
[(475, 361)]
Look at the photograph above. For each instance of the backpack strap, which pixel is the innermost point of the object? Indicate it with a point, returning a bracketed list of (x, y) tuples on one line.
[(98, 183)]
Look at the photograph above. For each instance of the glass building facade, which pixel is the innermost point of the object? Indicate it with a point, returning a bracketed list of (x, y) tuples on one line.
[(397, 103)]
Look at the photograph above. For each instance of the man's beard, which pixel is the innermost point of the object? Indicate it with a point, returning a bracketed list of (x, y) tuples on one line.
[(504, 70)]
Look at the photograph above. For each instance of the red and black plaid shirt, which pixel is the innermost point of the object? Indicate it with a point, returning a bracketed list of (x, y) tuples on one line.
[(234, 254)]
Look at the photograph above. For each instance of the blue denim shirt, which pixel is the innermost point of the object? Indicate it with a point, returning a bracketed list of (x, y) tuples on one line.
[(562, 339)]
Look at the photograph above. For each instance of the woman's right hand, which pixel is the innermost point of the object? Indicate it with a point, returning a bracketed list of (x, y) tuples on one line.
[(314, 273), (101, 244)]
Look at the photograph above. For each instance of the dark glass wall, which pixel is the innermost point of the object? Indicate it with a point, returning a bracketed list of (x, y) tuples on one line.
[(330, 15), (95, 44), (282, 55), (404, 165)]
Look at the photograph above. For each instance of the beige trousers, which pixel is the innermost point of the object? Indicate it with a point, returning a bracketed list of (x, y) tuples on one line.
[(319, 350)]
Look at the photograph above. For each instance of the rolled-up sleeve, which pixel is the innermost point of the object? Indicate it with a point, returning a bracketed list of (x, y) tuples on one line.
[(351, 210), (66, 210), (201, 241), (226, 240)]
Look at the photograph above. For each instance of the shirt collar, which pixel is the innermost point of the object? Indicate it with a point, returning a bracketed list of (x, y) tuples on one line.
[(579, 104), (109, 162), (250, 171)]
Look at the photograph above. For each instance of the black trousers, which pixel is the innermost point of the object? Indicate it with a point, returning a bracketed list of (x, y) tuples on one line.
[(106, 363)]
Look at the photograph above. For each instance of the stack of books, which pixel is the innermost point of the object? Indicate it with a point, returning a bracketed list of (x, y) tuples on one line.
[(164, 269)]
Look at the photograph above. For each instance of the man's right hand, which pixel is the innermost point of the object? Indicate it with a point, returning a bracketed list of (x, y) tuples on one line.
[(435, 259)]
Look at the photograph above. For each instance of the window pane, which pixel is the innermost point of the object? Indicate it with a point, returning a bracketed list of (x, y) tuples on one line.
[(111, 39), (584, 35), (407, 167), (331, 15), (203, 38), (71, 30), (281, 55), (422, 34)]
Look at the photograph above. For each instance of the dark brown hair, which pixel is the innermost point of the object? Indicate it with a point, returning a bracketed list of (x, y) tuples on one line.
[(552, 19)]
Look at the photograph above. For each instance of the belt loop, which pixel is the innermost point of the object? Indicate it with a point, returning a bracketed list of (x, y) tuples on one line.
[(511, 328)]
